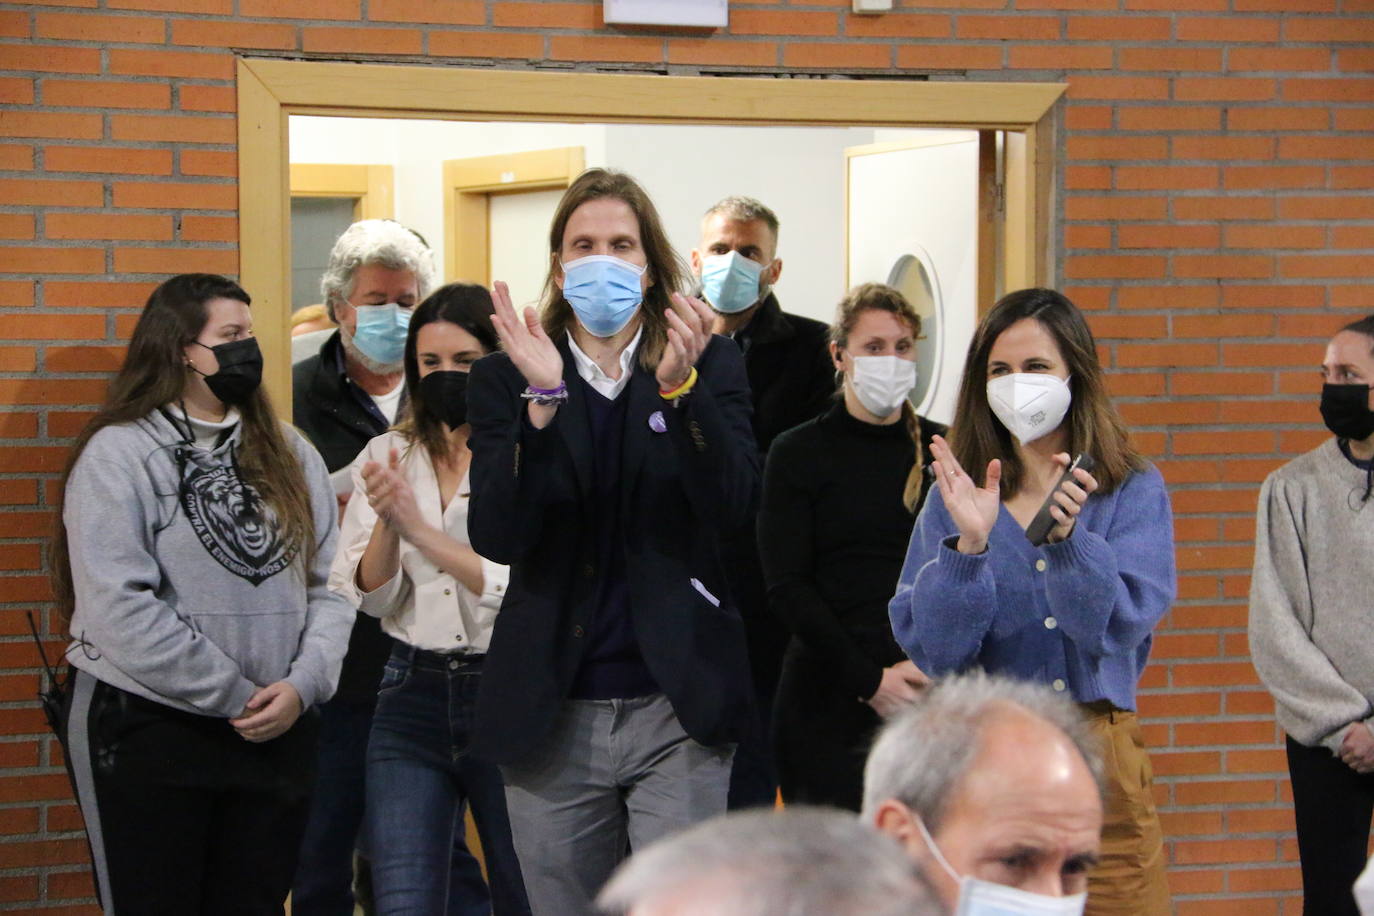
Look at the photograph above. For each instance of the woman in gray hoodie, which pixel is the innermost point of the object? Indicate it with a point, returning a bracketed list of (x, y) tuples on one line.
[(194, 544)]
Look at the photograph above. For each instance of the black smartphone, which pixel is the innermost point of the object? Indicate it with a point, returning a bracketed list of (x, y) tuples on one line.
[(1043, 523)]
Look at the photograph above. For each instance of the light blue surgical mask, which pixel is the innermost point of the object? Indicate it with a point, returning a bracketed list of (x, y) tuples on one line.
[(985, 898), (604, 292), (730, 282), (381, 332)]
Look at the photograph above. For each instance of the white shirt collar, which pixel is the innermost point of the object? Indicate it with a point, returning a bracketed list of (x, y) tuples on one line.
[(593, 374)]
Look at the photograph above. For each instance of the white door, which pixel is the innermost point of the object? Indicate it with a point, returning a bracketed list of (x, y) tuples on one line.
[(913, 224), (518, 246)]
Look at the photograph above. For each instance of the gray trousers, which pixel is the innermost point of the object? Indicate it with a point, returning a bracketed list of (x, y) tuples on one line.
[(615, 775)]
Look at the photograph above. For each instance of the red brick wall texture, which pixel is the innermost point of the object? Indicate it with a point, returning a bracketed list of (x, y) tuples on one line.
[(1216, 217)]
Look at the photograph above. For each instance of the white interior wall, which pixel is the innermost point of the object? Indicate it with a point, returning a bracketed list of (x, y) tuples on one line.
[(417, 150), (798, 172)]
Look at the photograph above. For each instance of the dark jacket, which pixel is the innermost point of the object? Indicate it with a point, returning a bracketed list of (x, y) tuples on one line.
[(329, 415), (792, 380), (531, 508), (339, 426), (791, 376)]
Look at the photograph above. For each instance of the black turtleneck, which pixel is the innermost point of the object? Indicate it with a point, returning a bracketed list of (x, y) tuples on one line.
[(833, 534), (1363, 464)]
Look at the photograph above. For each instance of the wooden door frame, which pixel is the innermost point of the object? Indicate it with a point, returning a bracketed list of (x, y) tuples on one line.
[(468, 188), (271, 90), (372, 188)]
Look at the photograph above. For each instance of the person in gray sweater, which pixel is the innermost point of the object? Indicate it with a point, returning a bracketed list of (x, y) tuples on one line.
[(1311, 619), (191, 560)]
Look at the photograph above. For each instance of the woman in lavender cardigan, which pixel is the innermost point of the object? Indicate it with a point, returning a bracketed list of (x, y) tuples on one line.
[(1075, 612)]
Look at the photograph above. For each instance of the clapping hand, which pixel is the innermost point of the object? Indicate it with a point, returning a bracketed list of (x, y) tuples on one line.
[(525, 341), (390, 495), (973, 508), (689, 331)]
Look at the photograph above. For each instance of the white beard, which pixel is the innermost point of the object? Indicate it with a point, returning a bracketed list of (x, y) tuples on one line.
[(367, 362)]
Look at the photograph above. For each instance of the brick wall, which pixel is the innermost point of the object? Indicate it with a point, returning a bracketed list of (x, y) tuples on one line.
[(1216, 217)]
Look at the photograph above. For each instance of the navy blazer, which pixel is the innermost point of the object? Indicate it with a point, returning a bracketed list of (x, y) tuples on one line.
[(532, 508)]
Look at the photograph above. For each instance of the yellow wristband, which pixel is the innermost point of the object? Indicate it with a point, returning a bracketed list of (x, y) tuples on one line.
[(682, 389)]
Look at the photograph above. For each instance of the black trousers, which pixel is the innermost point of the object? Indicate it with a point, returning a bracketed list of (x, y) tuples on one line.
[(821, 734), (183, 815), (1333, 805)]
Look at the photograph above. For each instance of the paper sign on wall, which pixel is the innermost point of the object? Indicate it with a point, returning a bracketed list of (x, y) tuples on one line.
[(698, 13)]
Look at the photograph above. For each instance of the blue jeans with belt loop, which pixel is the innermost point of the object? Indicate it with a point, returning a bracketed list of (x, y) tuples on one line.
[(420, 777)]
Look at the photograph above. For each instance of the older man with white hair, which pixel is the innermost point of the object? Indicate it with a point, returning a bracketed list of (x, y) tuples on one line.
[(993, 787), (799, 862), (343, 396), (351, 389)]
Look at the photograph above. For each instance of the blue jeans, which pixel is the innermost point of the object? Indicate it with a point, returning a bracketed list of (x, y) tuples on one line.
[(420, 777), (323, 885)]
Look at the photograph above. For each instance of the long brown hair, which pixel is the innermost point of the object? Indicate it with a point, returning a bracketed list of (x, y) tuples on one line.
[(1093, 424), (154, 375), (468, 306), (883, 298), (666, 269)]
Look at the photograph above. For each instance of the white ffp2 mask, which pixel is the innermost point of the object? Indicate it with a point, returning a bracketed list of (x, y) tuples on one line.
[(1029, 404)]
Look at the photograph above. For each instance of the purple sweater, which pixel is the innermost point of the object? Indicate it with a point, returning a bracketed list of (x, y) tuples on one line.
[(1077, 615)]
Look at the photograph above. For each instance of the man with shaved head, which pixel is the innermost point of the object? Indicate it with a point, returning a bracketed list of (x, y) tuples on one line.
[(992, 786)]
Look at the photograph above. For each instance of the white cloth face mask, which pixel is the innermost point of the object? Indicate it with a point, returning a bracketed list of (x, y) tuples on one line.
[(984, 898), (882, 383), (1029, 404)]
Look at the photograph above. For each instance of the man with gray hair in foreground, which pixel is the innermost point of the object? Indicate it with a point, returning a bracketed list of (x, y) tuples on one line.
[(993, 787), (798, 862)]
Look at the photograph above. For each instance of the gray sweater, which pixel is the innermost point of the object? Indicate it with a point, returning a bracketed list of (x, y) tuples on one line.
[(1312, 596), (192, 600)]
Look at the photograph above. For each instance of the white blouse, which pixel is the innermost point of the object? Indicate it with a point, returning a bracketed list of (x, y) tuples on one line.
[(421, 605)]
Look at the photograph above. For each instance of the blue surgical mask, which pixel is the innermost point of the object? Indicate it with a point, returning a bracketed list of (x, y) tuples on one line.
[(603, 291), (985, 898), (381, 332), (730, 282)]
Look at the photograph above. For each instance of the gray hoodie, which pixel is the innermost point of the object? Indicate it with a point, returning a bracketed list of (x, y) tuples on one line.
[(184, 593)]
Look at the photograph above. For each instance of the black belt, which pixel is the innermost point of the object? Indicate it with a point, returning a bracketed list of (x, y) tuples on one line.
[(435, 661)]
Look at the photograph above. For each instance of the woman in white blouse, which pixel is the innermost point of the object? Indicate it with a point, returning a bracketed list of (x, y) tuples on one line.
[(404, 557)]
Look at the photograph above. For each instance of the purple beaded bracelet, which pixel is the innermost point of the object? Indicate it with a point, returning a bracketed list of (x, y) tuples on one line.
[(546, 396)]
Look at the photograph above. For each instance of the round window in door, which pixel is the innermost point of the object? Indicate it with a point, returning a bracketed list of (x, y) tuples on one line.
[(913, 275)]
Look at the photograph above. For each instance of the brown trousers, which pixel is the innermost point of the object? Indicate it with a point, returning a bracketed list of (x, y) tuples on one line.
[(1130, 879)]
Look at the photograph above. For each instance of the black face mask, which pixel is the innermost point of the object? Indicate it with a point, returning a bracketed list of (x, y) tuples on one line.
[(240, 370), (445, 394), (1345, 409)]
